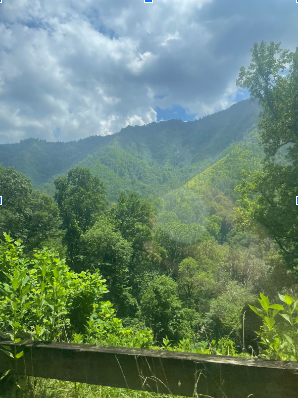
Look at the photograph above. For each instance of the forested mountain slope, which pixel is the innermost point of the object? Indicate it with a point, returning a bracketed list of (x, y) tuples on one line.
[(227, 172), (149, 159)]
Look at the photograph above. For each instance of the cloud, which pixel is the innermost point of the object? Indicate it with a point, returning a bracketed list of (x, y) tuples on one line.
[(73, 69)]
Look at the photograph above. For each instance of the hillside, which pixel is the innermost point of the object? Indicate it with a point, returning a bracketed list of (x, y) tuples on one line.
[(226, 173), (149, 159)]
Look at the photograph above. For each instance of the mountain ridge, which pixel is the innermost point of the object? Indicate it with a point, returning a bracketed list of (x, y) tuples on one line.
[(141, 158)]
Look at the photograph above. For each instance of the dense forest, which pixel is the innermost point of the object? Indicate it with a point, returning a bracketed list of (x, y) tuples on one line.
[(173, 235)]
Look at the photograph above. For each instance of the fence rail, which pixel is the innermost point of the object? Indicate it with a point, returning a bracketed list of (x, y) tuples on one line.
[(165, 372)]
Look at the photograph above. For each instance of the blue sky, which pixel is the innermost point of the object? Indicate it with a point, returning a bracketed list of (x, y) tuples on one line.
[(176, 111), (70, 69)]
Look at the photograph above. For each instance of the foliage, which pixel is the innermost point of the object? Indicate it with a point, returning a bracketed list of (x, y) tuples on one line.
[(278, 334), (195, 285), (26, 213), (268, 196), (103, 248), (162, 311), (42, 299), (226, 311), (132, 216), (81, 199)]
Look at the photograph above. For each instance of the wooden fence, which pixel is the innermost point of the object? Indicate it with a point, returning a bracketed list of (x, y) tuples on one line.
[(164, 372)]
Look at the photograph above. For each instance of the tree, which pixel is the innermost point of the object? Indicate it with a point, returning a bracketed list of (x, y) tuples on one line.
[(226, 311), (268, 196), (103, 248), (26, 213), (81, 199), (195, 285), (133, 218), (161, 308)]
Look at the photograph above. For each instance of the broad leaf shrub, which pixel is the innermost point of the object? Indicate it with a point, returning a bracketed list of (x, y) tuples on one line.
[(279, 332), (42, 299)]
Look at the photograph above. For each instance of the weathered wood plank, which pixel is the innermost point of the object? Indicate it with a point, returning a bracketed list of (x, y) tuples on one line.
[(156, 371)]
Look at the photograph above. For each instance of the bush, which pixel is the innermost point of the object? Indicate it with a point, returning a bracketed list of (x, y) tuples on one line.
[(40, 298), (279, 332)]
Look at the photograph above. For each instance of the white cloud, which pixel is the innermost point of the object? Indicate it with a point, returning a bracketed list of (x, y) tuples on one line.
[(138, 64), (170, 37), (73, 69)]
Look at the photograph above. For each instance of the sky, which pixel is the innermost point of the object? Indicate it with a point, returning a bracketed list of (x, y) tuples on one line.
[(70, 69)]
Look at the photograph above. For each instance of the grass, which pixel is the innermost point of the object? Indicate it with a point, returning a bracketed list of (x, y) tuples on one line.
[(32, 387)]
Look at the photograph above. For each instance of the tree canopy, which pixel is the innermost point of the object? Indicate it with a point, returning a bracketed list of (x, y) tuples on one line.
[(268, 196)]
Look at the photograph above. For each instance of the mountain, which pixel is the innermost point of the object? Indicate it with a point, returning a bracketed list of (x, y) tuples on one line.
[(227, 172), (149, 159)]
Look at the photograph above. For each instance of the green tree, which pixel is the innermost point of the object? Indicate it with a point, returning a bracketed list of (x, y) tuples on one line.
[(195, 285), (268, 196), (133, 217), (103, 248), (226, 311), (26, 213), (81, 199), (161, 308)]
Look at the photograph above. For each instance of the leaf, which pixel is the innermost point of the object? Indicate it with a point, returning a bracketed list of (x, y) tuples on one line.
[(276, 343), (25, 290), (276, 307), (286, 317), (270, 322), (19, 354), (288, 299), (56, 273), (15, 282), (289, 339), (5, 374), (43, 285), (44, 270), (264, 301), (6, 347), (282, 297), (256, 310), (6, 352)]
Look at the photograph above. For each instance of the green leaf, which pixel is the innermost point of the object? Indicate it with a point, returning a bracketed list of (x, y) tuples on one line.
[(270, 322), (276, 343), (43, 270), (289, 339), (256, 310), (276, 307), (282, 297), (19, 354), (288, 299), (55, 272), (6, 352), (25, 290), (15, 282), (6, 347), (5, 374), (286, 317), (264, 301)]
